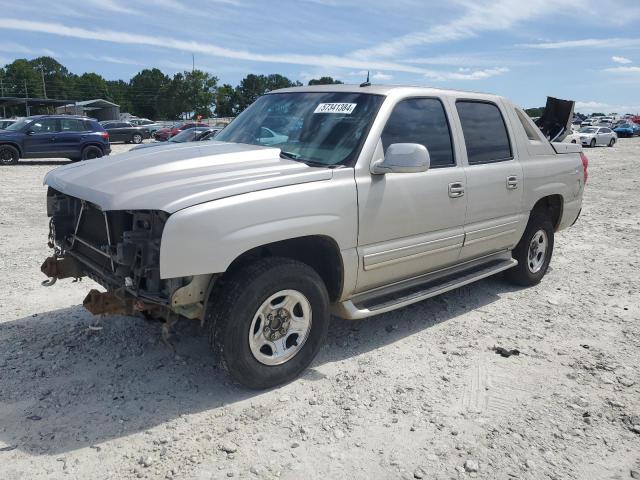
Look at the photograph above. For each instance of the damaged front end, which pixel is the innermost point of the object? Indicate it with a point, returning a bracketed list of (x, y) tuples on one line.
[(120, 250)]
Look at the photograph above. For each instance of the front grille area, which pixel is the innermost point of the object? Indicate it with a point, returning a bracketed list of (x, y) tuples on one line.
[(116, 248)]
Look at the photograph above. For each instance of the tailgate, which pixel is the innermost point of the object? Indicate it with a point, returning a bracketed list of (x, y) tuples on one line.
[(555, 122)]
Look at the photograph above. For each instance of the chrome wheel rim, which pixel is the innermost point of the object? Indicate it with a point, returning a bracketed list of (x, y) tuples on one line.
[(137, 139), (280, 327), (537, 251)]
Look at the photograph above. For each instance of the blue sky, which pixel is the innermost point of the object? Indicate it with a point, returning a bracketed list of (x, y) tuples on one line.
[(588, 51)]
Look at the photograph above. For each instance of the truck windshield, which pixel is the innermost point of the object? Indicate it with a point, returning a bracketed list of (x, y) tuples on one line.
[(324, 128)]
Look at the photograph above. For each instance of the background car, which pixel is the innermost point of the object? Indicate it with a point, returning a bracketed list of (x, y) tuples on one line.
[(146, 123), (126, 132), (573, 137), (5, 122), (53, 136), (627, 130), (165, 134), (196, 134), (592, 136)]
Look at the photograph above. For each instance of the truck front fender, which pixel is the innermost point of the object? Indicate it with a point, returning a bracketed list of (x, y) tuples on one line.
[(206, 238)]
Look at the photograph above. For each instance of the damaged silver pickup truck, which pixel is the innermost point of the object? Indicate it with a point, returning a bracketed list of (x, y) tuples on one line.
[(332, 199)]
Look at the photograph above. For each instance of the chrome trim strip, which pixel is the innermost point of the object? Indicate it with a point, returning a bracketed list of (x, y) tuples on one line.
[(489, 237), (406, 258)]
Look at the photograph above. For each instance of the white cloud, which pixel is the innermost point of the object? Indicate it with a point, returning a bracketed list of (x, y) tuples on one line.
[(623, 70), (595, 106), (466, 74), (586, 42), (591, 105), (205, 48), (382, 77), (621, 60), (479, 16), (16, 48), (109, 5)]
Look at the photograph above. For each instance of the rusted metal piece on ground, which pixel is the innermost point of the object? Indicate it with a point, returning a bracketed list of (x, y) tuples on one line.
[(108, 303), (59, 268), (118, 302)]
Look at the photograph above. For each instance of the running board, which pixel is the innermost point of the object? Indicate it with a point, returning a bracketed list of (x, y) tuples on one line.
[(385, 300)]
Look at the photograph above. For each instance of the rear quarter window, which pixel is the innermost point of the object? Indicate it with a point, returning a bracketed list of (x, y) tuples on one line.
[(485, 132)]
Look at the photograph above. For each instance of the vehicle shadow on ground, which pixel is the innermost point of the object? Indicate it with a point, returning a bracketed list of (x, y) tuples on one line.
[(66, 384), (32, 163)]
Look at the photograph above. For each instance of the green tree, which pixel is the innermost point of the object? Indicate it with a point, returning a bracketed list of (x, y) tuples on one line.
[(535, 112), (58, 82), (324, 81), (252, 86), (200, 90), (226, 101), (89, 86), (145, 93), (118, 92)]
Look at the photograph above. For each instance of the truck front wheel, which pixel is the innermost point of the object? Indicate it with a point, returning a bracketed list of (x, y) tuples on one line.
[(533, 252), (268, 320)]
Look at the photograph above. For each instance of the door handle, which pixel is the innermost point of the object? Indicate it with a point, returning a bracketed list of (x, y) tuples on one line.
[(456, 189), (512, 182)]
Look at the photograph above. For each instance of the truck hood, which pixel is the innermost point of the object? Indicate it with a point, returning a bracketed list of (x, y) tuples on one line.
[(170, 179)]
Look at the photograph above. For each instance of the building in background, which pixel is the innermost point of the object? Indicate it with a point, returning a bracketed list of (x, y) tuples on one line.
[(99, 109)]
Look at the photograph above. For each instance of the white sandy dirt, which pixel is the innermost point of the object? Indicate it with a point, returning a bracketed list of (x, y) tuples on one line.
[(416, 393)]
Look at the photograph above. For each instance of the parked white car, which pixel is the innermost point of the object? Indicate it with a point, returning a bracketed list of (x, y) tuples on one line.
[(592, 136), (573, 137)]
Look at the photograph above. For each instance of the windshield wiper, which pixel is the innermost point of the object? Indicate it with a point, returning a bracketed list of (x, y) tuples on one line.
[(296, 157)]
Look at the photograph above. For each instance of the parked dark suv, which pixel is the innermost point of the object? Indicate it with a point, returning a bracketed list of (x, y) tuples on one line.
[(58, 136)]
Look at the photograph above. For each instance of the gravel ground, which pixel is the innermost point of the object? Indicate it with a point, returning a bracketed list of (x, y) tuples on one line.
[(417, 393)]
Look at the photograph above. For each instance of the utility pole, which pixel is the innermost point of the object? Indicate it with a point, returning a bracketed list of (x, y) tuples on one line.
[(193, 80), (26, 98), (4, 109), (44, 87)]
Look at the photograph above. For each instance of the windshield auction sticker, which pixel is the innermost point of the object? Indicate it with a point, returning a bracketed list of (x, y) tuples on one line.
[(345, 108)]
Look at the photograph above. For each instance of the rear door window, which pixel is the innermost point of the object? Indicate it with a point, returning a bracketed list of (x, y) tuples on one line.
[(72, 125), (485, 132), (423, 121)]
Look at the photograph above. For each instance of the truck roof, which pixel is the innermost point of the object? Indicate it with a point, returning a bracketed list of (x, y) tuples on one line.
[(388, 90)]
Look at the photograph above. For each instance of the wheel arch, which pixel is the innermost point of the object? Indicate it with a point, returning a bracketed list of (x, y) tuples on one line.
[(14, 145), (92, 144), (320, 252), (551, 205)]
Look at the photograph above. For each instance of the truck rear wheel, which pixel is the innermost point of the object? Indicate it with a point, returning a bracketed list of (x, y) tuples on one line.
[(533, 252), (268, 320)]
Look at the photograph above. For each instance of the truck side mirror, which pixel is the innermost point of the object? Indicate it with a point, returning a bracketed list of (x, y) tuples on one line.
[(403, 158)]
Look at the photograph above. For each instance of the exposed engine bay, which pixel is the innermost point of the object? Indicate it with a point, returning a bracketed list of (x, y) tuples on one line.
[(120, 250)]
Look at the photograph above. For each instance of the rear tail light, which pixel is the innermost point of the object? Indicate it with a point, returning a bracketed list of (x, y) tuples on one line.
[(585, 165), (105, 135)]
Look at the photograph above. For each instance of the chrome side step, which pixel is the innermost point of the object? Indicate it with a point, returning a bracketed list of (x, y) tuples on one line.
[(385, 300)]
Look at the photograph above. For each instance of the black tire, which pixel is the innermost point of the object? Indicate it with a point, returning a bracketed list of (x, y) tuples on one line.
[(523, 274), (234, 304), (9, 155), (612, 142), (592, 144), (136, 138), (91, 152)]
